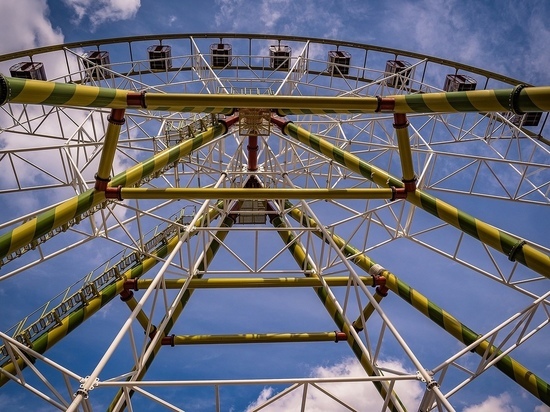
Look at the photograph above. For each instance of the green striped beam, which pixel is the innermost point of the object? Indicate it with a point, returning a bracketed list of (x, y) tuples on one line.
[(57, 216), (16, 90), (513, 369), (300, 256), (116, 120), (93, 305), (401, 126), (518, 100), (228, 283), (515, 248), (253, 338), (141, 316), (167, 156), (203, 264)]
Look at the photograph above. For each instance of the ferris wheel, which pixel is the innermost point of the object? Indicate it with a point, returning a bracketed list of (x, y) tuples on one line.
[(190, 222)]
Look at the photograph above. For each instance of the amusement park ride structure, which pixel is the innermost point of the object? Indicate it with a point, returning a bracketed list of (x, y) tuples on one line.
[(211, 182)]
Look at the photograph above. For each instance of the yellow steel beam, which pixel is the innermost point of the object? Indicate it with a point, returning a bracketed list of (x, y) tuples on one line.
[(248, 193)]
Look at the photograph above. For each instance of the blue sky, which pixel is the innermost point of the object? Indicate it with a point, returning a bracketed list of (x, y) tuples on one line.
[(507, 37)]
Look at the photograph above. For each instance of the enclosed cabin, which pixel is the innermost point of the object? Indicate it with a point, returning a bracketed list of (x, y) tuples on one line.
[(220, 55), (531, 119), (279, 57), (459, 83), (160, 57), (403, 71), (338, 62), (28, 70), (94, 62)]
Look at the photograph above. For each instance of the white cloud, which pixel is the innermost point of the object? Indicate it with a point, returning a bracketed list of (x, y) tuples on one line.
[(101, 11), (25, 25), (502, 403), (307, 17), (503, 38), (439, 29), (542, 408), (272, 12), (360, 396), (537, 60)]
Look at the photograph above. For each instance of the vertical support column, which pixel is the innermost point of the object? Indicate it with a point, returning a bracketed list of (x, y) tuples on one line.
[(401, 126), (128, 296), (119, 402), (116, 120), (509, 366), (515, 248), (302, 258), (252, 153), (377, 272)]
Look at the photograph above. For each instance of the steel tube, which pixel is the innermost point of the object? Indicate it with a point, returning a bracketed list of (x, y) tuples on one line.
[(300, 256), (116, 120), (170, 318), (519, 99), (401, 126), (212, 283), (515, 248), (61, 214), (251, 193), (510, 367), (254, 338)]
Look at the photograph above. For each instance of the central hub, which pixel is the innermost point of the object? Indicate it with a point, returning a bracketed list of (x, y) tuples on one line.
[(254, 122)]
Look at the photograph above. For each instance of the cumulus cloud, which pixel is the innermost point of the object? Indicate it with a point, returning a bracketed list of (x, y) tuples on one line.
[(502, 403), (25, 25), (360, 396), (102, 11)]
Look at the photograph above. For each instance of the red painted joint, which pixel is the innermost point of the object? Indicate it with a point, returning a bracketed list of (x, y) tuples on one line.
[(101, 183), (400, 121), (168, 340), (229, 121), (410, 185), (398, 193), (116, 117), (381, 289), (385, 104), (126, 295), (131, 284), (114, 192), (136, 99), (280, 123), (340, 336)]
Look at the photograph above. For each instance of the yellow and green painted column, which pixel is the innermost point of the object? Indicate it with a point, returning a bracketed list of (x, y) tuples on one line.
[(515, 248), (56, 217), (169, 322), (510, 367), (300, 256)]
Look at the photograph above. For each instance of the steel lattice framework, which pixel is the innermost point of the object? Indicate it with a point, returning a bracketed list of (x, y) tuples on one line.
[(212, 181)]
